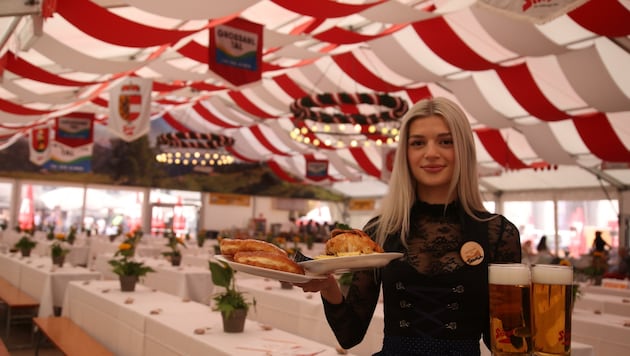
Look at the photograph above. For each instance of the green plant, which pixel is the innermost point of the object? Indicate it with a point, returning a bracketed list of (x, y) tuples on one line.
[(72, 235), (231, 299), (56, 249), (25, 243), (125, 265), (173, 243)]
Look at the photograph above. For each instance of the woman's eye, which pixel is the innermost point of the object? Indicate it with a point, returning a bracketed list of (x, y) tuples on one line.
[(447, 142)]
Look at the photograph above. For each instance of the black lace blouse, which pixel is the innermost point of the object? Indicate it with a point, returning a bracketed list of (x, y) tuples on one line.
[(430, 292)]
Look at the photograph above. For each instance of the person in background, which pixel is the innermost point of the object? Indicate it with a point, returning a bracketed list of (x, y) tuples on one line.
[(436, 296), (599, 244), (543, 255), (527, 254)]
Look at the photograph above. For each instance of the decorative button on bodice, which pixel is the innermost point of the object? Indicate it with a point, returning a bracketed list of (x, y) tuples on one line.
[(400, 286), (452, 306), (404, 304), (459, 289), (404, 324), (451, 325)]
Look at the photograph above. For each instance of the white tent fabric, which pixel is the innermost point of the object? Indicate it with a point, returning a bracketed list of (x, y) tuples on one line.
[(549, 101)]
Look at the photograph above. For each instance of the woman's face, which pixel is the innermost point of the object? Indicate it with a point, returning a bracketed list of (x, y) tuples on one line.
[(431, 157)]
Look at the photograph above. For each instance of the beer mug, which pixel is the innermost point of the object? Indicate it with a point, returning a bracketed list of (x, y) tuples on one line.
[(552, 294), (510, 331)]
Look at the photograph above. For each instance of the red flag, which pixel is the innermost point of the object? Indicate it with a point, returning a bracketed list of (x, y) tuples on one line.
[(236, 51)]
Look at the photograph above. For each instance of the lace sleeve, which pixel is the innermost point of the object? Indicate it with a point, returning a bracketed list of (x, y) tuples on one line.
[(350, 320), (505, 241)]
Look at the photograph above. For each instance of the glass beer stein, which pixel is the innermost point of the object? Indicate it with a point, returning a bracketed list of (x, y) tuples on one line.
[(510, 331), (551, 309)]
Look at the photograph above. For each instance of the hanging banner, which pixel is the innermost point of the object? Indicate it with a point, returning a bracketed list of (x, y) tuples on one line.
[(388, 154), (71, 150), (236, 51), (538, 12), (316, 169), (39, 147), (130, 108)]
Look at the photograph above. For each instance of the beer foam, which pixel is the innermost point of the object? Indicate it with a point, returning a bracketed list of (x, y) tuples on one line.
[(508, 274), (552, 274)]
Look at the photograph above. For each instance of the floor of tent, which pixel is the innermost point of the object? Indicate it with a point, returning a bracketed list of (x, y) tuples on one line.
[(21, 335)]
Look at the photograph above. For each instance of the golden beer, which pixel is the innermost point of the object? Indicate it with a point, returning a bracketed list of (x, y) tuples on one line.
[(552, 294), (510, 332)]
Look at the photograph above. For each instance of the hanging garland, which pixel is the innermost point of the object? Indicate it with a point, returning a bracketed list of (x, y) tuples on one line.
[(194, 140), (302, 109)]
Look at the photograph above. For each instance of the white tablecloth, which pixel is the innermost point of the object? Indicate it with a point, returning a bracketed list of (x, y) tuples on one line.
[(37, 277), (184, 281), (604, 332), (123, 323), (609, 304), (302, 313)]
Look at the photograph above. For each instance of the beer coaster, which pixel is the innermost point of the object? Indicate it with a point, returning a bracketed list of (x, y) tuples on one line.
[(472, 253)]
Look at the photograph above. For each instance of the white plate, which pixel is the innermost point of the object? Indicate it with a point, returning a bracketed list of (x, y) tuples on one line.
[(350, 263), (268, 273)]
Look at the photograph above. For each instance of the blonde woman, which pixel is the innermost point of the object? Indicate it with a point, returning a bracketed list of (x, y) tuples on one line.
[(436, 296)]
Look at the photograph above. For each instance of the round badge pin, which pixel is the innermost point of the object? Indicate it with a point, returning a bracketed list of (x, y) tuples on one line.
[(472, 253)]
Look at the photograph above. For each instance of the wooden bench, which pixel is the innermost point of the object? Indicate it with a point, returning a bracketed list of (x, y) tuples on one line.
[(20, 307), (68, 337), (3, 349)]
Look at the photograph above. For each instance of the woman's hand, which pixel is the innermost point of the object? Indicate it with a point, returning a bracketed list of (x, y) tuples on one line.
[(329, 288)]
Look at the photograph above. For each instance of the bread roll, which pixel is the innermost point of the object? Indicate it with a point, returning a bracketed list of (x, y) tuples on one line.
[(346, 242), (230, 247), (268, 260)]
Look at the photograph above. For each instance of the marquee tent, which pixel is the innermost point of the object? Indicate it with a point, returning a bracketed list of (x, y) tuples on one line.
[(546, 85)]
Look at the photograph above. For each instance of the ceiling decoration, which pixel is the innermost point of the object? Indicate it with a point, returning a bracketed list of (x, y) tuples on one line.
[(552, 94)]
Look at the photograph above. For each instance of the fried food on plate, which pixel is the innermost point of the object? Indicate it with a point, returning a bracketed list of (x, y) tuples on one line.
[(351, 243), (230, 247), (268, 260)]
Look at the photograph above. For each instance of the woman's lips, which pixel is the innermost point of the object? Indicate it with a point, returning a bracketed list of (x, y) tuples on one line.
[(433, 169)]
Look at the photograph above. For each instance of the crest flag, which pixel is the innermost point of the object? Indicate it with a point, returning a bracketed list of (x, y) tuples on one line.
[(39, 144), (130, 108)]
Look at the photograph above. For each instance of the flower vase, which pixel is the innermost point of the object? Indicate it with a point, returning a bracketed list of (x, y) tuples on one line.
[(58, 260), (26, 252), (235, 323), (176, 260), (128, 283)]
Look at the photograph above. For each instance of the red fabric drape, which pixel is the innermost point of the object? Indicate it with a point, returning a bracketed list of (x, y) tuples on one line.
[(211, 118), (364, 162), (520, 83), (604, 17), (111, 28), (255, 130), (600, 138), (442, 40)]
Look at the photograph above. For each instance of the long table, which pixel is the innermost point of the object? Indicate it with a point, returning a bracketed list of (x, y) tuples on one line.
[(37, 277), (187, 282), (149, 322), (302, 313)]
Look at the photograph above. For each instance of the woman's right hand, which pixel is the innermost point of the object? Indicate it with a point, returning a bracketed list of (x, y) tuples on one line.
[(328, 287)]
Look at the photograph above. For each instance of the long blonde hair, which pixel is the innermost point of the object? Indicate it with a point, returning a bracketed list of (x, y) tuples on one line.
[(395, 209)]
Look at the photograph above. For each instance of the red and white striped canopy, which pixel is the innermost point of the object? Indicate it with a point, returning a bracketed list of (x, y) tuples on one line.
[(548, 97)]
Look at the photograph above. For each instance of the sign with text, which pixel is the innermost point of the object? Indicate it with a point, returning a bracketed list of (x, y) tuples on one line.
[(236, 51)]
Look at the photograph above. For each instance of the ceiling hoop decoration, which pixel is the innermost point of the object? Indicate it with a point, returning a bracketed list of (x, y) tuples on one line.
[(302, 109), (328, 128), (194, 148)]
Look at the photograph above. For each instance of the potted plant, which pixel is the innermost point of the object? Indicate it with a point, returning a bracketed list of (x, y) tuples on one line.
[(127, 269), (231, 303), (25, 245), (174, 255), (72, 235), (57, 251), (201, 238)]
